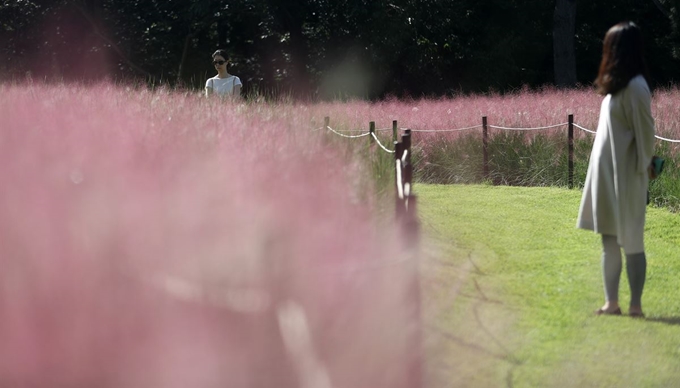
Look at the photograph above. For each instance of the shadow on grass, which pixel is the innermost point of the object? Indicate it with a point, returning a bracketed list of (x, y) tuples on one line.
[(667, 320)]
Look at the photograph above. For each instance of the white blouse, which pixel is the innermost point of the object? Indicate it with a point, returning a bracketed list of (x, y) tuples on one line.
[(223, 87)]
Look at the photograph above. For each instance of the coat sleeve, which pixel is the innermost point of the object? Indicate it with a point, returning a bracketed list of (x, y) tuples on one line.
[(642, 122)]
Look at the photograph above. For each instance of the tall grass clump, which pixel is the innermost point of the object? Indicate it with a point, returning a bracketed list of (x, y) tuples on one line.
[(157, 239)]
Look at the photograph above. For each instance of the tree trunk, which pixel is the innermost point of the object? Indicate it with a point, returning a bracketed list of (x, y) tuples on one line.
[(290, 17), (185, 50), (97, 30), (662, 9), (564, 23)]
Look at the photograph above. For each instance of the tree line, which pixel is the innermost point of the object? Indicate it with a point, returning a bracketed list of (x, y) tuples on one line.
[(332, 48)]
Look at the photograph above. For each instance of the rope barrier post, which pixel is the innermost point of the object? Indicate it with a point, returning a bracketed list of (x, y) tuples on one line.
[(407, 222), (411, 225), (406, 139), (411, 240), (371, 131), (394, 130), (326, 123), (407, 167), (485, 146), (570, 180)]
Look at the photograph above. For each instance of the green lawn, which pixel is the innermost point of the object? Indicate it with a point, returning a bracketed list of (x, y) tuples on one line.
[(511, 285)]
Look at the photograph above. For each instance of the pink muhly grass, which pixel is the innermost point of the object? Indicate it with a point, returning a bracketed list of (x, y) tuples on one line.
[(665, 112), (159, 239), (523, 109)]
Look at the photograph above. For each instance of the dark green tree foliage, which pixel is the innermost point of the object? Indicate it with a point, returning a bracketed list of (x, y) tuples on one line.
[(323, 48), (593, 19)]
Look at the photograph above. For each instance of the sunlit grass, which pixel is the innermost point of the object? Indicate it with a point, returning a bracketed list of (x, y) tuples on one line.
[(511, 298)]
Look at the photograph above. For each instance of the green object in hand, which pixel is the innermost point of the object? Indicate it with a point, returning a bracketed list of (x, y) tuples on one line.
[(657, 165)]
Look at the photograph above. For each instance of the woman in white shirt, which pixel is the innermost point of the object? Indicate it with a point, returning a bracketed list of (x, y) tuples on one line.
[(223, 84)]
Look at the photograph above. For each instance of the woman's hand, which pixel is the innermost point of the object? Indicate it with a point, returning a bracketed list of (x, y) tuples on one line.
[(655, 167), (651, 172)]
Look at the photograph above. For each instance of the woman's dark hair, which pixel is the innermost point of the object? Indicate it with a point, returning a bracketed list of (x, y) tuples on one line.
[(622, 58), (223, 53)]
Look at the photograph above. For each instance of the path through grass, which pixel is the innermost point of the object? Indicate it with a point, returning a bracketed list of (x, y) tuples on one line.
[(511, 285)]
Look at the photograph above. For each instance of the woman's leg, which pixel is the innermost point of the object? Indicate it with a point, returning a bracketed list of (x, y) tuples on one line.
[(636, 267), (611, 271)]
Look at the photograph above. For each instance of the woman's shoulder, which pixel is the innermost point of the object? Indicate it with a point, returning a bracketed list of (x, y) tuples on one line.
[(637, 91), (638, 84), (210, 81)]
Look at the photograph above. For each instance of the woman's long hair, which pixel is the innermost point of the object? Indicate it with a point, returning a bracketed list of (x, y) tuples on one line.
[(622, 58)]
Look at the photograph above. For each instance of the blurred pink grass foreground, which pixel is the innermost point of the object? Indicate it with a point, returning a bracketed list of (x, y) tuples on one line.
[(156, 239)]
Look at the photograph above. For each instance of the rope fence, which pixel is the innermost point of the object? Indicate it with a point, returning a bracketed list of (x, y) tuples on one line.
[(485, 138), (405, 201)]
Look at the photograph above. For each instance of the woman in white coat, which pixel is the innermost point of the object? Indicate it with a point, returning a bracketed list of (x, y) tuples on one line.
[(615, 193)]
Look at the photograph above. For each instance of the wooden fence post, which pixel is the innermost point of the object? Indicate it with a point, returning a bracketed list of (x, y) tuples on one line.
[(570, 181), (407, 167), (326, 123), (406, 139), (371, 131), (407, 222), (485, 146), (394, 130), (410, 219)]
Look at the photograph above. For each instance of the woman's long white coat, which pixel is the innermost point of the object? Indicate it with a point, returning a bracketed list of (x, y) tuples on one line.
[(615, 194)]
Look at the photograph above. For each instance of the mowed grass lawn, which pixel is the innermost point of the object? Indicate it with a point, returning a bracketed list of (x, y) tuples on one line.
[(510, 287)]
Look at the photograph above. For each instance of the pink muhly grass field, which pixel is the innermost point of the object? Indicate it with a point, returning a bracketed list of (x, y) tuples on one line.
[(523, 109), (157, 239)]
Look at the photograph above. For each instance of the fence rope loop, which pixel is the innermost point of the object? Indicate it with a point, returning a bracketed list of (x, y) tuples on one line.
[(444, 130), (528, 129), (346, 136), (583, 129), (656, 136), (668, 140), (380, 144)]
